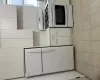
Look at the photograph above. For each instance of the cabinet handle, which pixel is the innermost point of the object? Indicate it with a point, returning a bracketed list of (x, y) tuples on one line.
[(48, 51), (34, 52)]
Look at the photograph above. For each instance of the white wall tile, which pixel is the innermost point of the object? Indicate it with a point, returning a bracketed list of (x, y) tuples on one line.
[(96, 33)]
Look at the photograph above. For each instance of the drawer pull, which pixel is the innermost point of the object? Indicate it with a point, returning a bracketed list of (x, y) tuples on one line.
[(48, 51), (34, 52)]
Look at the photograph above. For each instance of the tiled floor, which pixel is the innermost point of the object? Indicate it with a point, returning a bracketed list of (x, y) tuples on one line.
[(60, 76)]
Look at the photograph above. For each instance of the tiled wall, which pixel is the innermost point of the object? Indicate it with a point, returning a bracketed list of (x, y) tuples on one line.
[(86, 37)]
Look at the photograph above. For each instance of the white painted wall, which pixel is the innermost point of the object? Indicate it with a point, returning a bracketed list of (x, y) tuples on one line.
[(44, 38)]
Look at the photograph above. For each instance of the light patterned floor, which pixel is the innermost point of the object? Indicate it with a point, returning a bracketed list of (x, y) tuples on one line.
[(60, 76)]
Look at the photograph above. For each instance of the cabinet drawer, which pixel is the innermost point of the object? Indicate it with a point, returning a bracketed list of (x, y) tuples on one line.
[(35, 50)]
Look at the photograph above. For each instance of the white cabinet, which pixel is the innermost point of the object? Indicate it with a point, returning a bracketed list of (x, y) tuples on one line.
[(64, 41), (33, 62), (16, 38), (45, 60), (30, 18), (8, 23), (16, 43), (61, 2), (8, 10), (60, 36), (17, 34), (57, 59), (8, 17), (44, 38), (11, 63)]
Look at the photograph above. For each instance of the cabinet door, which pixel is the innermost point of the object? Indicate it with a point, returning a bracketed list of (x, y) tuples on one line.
[(57, 59), (33, 62), (60, 36), (64, 32), (64, 41), (30, 18), (61, 32)]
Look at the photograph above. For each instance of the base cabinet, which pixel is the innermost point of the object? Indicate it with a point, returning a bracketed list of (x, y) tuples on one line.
[(11, 63), (33, 62), (57, 59), (48, 60)]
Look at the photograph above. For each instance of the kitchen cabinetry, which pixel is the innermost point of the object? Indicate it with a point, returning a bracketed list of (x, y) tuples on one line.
[(28, 18), (45, 60), (8, 17), (57, 59), (33, 62), (58, 1), (11, 63), (60, 36), (61, 2), (16, 38)]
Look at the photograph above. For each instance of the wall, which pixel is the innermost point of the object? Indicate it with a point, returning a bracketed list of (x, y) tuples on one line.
[(86, 37), (44, 38), (2, 1)]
